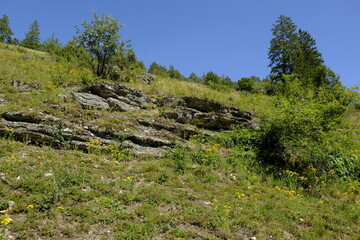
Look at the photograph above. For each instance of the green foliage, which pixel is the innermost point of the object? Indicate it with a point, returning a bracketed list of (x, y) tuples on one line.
[(295, 53), (101, 39), (52, 45), (304, 134), (174, 73), (159, 70), (32, 37), (282, 47), (194, 78), (246, 84), (127, 66), (211, 77), (5, 30)]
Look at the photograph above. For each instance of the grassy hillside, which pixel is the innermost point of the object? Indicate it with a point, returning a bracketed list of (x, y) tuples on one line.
[(214, 189)]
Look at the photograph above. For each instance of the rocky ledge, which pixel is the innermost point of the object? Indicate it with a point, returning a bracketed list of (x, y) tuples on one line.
[(142, 135)]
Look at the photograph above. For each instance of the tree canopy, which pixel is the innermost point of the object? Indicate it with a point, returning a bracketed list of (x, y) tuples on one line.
[(100, 38), (32, 37), (294, 52), (5, 30)]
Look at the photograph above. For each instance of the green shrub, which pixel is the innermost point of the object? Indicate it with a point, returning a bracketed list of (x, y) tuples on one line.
[(305, 134)]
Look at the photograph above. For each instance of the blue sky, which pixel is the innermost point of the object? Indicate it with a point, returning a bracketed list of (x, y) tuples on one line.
[(229, 37)]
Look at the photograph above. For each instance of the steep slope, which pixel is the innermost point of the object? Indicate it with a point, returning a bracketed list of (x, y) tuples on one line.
[(166, 160)]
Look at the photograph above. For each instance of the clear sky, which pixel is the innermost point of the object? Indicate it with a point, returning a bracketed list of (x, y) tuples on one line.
[(229, 37)]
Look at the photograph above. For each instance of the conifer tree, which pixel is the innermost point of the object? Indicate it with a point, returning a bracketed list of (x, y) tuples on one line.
[(282, 47), (307, 59), (5, 31), (32, 38)]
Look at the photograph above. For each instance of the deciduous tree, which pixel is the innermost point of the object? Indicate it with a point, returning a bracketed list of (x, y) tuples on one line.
[(100, 38)]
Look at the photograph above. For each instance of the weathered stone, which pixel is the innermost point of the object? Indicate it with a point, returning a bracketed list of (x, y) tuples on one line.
[(149, 141), (144, 150), (144, 78), (29, 116), (2, 100), (121, 106), (203, 104), (89, 100), (46, 134), (169, 102), (118, 91), (180, 130), (204, 113), (26, 86), (212, 121)]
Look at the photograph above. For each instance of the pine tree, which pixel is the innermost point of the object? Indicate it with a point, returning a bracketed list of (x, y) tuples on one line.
[(307, 59), (282, 47), (32, 38), (5, 31)]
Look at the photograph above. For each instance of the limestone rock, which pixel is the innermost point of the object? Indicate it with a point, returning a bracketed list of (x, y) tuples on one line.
[(144, 78), (89, 100), (29, 116), (121, 106), (180, 130), (204, 113), (122, 93)]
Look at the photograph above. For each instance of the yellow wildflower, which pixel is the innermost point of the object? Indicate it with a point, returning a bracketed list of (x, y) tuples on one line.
[(6, 220), (30, 206), (4, 211), (60, 207), (302, 178)]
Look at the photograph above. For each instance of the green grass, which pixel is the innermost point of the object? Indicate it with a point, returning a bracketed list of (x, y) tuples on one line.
[(217, 189), (73, 193)]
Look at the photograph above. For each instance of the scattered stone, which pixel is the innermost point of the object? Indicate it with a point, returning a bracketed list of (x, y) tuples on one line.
[(25, 86), (143, 150), (11, 204), (48, 174), (2, 99), (2, 175)]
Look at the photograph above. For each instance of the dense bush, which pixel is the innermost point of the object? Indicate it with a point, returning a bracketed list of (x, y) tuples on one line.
[(304, 133)]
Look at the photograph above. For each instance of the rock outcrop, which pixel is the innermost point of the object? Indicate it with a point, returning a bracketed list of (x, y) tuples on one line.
[(204, 113), (117, 97), (142, 135)]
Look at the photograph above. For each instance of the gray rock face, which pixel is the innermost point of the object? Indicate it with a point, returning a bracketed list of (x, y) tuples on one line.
[(88, 100), (117, 97), (121, 106), (204, 113), (144, 78), (120, 92), (147, 137), (180, 130), (142, 135), (29, 128), (30, 117)]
